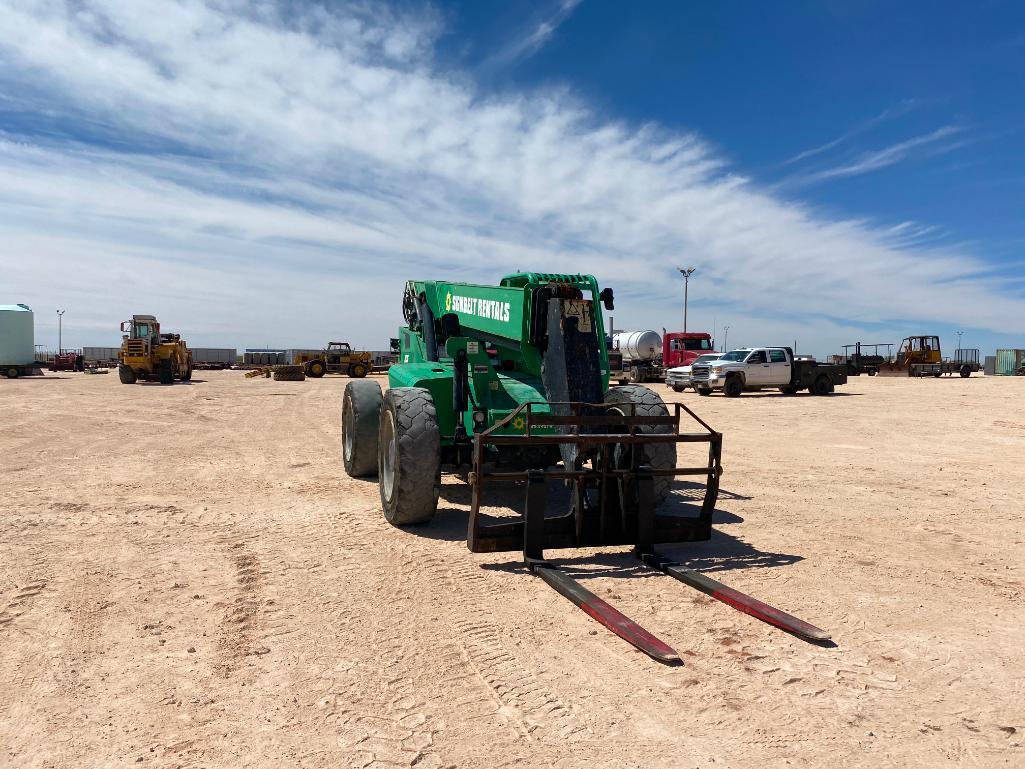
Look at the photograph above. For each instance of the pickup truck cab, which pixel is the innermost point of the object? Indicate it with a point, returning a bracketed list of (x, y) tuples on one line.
[(754, 368)]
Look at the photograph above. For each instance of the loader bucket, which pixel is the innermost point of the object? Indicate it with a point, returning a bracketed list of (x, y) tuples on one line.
[(893, 369)]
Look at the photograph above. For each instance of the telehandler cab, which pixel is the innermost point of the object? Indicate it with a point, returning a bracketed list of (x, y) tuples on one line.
[(513, 382)]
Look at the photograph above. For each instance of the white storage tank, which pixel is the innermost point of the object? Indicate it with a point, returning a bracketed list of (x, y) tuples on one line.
[(638, 345), (17, 335)]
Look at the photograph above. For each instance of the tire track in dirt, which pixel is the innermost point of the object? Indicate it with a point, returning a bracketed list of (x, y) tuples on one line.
[(392, 677), (21, 601), (241, 620)]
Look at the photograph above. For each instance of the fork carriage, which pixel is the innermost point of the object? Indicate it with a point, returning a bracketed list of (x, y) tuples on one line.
[(613, 499)]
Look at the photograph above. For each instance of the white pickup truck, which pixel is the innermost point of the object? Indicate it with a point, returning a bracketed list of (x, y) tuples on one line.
[(754, 368)]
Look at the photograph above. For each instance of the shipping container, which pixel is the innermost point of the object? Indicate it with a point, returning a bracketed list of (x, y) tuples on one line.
[(1009, 361), (220, 355), (263, 357), (17, 335), (100, 354)]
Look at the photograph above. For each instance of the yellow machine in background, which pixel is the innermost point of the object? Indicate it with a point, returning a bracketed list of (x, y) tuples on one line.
[(920, 356), (149, 355), (338, 358)]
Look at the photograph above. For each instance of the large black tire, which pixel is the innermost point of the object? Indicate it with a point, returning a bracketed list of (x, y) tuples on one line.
[(13, 372), (409, 456), (358, 370), (289, 374), (361, 425), (788, 390), (125, 374), (966, 371), (165, 372), (821, 386), (678, 388), (187, 373), (661, 456), (703, 391), (733, 388), (316, 369)]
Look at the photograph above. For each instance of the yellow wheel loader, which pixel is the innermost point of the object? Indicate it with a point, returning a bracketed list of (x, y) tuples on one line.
[(149, 355), (338, 358)]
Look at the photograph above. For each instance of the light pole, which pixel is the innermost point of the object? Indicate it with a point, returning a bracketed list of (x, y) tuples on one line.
[(725, 336), (686, 272), (60, 319), (959, 343)]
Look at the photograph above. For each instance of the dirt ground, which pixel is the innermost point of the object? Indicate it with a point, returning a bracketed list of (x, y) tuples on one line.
[(188, 579)]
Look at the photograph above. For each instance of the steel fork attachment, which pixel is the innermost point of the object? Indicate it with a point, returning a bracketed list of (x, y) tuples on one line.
[(626, 511)]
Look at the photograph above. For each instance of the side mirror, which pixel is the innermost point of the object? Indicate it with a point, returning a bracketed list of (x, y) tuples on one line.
[(126, 325), (607, 298)]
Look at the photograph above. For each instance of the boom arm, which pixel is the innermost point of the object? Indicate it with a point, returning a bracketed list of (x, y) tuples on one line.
[(510, 316)]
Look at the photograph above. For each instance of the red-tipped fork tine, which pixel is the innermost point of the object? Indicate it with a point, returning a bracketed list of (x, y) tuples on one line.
[(607, 615), (736, 599)]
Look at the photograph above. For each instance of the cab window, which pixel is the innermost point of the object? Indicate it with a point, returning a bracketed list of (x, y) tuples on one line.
[(141, 330), (698, 344), (777, 356), (758, 356)]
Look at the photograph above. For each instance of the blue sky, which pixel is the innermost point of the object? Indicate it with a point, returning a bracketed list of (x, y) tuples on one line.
[(269, 174)]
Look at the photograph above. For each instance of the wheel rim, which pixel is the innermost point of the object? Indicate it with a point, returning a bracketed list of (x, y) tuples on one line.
[(388, 456), (349, 427)]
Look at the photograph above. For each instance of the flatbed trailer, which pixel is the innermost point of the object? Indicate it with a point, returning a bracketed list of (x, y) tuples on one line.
[(15, 370), (921, 356), (948, 367)]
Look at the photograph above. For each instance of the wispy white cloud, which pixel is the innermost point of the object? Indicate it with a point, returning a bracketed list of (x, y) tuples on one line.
[(932, 143), (537, 34), (255, 173), (890, 113)]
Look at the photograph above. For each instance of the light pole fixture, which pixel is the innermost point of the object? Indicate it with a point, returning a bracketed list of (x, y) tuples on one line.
[(686, 272), (725, 336), (959, 341), (60, 341)]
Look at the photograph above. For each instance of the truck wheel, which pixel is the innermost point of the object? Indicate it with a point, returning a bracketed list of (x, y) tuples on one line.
[(733, 387), (165, 372), (821, 386), (409, 456), (966, 371), (678, 388), (358, 370), (703, 391), (788, 390), (187, 374), (125, 374), (12, 373), (316, 369), (661, 456), (937, 374), (361, 422)]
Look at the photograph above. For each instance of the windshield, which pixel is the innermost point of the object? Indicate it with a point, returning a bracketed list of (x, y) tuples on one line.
[(706, 358), (141, 330), (736, 355)]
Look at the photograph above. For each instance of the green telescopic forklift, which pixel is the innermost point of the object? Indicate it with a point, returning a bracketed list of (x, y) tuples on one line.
[(511, 384)]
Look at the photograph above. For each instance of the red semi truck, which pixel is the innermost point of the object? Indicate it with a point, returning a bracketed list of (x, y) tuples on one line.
[(646, 355)]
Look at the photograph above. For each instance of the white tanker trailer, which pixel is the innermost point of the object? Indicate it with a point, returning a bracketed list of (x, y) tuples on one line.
[(642, 356)]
